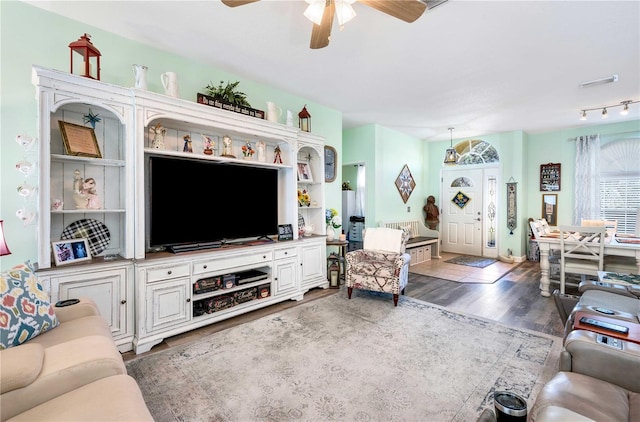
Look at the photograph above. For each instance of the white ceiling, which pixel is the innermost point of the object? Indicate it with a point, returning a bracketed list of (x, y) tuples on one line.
[(478, 66)]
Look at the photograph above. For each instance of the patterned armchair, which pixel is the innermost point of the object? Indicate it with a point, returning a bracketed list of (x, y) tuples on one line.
[(381, 265)]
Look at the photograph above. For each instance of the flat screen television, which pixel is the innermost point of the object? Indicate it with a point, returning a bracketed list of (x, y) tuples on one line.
[(192, 202)]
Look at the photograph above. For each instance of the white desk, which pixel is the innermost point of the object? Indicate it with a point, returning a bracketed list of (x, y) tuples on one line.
[(547, 243)]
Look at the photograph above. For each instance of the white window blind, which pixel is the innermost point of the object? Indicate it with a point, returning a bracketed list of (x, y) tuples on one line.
[(620, 200), (620, 183)]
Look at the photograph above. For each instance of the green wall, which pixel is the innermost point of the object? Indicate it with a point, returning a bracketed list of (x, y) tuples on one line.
[(30, 35), (520, 157)]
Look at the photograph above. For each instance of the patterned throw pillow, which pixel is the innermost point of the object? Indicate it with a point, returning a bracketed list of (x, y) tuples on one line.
[(25, 310), (407, 230)]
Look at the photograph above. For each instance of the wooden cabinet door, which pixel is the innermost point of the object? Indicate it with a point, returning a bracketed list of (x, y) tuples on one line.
[(168, 303), (109, 289)]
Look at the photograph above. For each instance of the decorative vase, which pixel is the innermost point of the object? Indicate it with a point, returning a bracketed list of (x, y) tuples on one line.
[(331, 233)]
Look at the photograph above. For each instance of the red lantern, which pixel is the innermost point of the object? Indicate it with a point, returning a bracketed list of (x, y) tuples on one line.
[(304, 119), (88, 63)]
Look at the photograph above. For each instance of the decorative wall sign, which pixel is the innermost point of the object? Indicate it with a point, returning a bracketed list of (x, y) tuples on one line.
[(550, 177), (405, 183), (512, 209), (79, 140), (460, 199)]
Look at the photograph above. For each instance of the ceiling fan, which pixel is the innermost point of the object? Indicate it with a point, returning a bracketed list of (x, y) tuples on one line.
[(406, 10)]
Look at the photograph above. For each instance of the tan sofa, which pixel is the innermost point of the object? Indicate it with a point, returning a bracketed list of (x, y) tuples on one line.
[(71, 372)]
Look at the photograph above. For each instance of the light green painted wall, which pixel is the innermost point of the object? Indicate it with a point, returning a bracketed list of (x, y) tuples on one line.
[(520, 156), (361, 149), (558, 147), (29, 35)]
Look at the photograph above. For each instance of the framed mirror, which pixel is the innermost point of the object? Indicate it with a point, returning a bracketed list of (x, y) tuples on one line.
[(550, 208), (330, 162)]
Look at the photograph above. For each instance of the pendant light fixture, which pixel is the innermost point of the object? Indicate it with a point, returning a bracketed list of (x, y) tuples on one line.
[(451, 156)]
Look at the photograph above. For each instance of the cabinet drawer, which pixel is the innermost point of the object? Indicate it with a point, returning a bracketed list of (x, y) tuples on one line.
[(284, 253), (167, 273), (226, 263)]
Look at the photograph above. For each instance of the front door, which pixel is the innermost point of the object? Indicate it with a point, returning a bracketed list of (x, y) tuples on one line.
[(462, 220)]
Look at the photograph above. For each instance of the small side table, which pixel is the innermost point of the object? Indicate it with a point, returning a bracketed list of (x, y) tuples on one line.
[(342, 245)]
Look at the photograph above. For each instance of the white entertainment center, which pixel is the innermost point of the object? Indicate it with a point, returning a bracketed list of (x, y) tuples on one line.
[(148, 295)]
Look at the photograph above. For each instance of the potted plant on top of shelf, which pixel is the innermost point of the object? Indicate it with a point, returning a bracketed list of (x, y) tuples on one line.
[(227, 93), (228, 97)]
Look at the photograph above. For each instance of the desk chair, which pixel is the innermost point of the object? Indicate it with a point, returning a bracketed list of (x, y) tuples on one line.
[(581, 251)]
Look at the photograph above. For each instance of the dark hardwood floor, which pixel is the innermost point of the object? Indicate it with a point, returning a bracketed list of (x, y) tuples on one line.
[(513, 300)]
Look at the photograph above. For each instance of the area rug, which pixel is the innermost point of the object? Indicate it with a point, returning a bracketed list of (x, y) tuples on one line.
[(471, 261), (347, 360)]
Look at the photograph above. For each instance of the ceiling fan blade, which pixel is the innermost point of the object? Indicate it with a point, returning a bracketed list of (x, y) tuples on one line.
[(406, 10), (234, 3), (321, 33)]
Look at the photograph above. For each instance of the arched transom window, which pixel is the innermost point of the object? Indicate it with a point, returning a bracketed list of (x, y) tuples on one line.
[(476, 152)]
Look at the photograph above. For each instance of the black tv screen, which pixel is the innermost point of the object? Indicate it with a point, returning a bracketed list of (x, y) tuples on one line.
[(197, 201)]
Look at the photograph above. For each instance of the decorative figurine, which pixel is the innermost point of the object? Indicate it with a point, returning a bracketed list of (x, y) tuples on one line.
[(91, 118), (278, 155), (84, 192), (158, 136), (208, 145), (248, 151), (187, 144), (262, 156), (226, 147), (431, 209)]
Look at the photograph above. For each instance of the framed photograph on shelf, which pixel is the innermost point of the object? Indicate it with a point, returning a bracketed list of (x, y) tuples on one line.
[(70, 251), (304, 172), (79, 140), (550, 208), (550, 177)]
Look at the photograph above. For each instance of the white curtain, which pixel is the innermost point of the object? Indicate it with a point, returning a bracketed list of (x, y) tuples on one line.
[(587, 179), (360, 191)]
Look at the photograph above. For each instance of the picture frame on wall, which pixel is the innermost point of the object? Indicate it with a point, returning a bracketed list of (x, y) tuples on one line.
[(70, 251), (79, 140), (304, 172), (550, 176), (550, 208)]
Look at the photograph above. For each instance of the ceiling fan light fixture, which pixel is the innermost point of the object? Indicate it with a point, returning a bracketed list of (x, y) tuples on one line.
[(315, 10), (605, 114), (583, 115), (344, 11)]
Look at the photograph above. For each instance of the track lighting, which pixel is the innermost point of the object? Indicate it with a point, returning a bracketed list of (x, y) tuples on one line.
[(625, 110), (605, 112)]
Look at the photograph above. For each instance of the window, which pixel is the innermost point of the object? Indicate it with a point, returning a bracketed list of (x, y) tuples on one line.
[(620, 183), (476, 152)]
